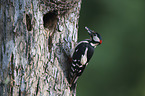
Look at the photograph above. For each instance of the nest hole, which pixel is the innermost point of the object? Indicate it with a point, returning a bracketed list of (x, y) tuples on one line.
[(50, 20)]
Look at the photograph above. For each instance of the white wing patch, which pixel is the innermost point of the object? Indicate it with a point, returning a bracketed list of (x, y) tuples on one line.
[(84, 57)]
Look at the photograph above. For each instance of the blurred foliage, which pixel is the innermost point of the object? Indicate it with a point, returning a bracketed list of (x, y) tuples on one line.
[(118, 65)]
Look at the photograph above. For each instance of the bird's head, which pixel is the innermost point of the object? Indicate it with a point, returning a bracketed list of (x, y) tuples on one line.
[(95, 37)]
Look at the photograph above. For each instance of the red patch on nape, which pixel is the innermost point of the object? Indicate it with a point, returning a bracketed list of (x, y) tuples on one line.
[(100, 41)]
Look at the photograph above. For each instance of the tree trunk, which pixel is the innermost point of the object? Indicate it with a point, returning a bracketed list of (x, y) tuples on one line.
[(33, 37)]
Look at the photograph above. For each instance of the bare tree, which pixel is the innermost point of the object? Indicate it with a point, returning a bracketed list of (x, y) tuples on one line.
[(33, 34)]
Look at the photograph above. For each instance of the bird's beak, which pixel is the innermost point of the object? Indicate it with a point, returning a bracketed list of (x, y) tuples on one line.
[(89, 31)]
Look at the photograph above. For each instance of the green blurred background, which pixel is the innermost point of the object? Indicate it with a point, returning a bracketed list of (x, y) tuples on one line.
[(118, 65)]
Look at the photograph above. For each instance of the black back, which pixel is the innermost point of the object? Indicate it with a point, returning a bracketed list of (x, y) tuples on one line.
[(81, 49)]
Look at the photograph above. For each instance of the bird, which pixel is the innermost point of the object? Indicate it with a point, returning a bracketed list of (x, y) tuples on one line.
[(82, 54)]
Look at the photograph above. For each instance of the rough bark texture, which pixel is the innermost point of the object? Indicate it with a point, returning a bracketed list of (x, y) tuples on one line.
[(32, 35)]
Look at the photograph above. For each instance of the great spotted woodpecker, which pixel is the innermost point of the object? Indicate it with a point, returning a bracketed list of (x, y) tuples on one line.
[(82, 55)]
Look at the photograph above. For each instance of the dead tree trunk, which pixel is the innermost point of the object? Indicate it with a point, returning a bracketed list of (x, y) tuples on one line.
[(32, 35)]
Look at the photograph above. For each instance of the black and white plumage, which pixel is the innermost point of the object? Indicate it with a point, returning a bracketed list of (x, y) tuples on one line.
[(82, 55)]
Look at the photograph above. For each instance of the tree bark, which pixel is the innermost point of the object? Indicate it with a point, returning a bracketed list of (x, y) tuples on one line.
[(33, 35)]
